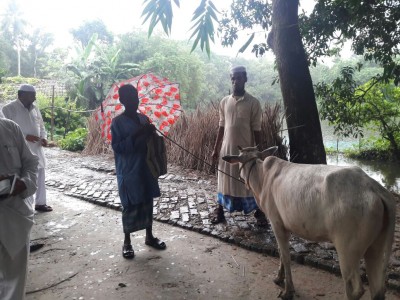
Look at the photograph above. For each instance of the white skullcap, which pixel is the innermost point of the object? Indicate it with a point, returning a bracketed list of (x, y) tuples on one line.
[(27, 88), (238, 69)]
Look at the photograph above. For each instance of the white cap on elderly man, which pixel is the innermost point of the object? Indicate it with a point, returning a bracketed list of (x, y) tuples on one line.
[(27, 88), (238, 69)]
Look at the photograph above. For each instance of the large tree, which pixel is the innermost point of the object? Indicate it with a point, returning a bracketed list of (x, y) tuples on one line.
[(371, 26), (13, 28), (39, 41), (352, 108), (93, 71), (6, 54), (85, 31), (305, 135)]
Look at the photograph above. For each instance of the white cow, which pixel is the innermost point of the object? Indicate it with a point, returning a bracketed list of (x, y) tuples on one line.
[(342, 205)]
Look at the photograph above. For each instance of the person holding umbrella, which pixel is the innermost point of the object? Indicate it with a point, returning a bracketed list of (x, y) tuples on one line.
[(136, 185)]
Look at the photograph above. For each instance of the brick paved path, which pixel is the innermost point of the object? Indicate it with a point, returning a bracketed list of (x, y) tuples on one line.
[(187, 199)]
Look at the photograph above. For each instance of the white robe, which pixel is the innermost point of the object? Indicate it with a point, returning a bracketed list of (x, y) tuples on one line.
[(16, 212), (31, 122), (240, 118)]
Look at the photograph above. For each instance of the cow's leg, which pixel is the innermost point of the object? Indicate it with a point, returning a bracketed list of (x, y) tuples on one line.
[(376, 268), (279, 279), (282, 237), (376, 263), (349, 261)]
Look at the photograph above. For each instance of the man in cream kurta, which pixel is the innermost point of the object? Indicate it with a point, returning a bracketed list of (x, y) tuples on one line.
[(26, 114), (16, 211), (239, 125)]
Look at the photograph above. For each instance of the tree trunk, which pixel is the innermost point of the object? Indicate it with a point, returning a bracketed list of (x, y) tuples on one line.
[(19, 58), (34, 64), (305, 136), (393, 144)]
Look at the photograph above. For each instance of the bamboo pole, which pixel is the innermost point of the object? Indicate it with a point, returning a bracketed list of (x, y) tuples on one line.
[(67, 121), (52, 115)]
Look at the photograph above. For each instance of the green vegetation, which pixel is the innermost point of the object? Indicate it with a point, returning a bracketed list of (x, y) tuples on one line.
[(330, 150), (9, 86), (74, 140), (372, 149), (65, 119), (94, 69), (352, 108)]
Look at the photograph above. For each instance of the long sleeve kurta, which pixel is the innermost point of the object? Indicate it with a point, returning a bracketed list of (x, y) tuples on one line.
[(240, 118), (31, 122), (16, 212), (135, 182)]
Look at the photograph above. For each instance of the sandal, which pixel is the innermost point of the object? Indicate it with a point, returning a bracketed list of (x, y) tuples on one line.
[(218, 216), (35, 246), (127, 251), (43, 208), (156, 244)]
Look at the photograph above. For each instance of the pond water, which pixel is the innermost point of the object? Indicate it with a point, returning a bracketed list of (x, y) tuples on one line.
[(386, 173), (337, 143)]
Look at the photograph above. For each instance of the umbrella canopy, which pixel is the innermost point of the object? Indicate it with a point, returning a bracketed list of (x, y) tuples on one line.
[(159, 99)]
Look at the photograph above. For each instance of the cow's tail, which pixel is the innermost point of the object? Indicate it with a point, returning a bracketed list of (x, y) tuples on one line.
[(378, 254)]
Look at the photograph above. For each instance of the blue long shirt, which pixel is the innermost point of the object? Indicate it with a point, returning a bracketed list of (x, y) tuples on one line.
[(135, 182)]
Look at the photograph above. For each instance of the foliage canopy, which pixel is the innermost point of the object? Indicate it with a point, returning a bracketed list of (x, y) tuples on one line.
[(351, 108)]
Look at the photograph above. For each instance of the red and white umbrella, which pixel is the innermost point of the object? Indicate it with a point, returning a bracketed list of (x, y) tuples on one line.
[(159, 99)]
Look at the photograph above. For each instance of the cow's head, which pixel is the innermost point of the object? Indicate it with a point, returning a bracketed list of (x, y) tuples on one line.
[(248, 154)]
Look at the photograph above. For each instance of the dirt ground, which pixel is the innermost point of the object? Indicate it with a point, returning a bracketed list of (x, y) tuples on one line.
[(82, 259)]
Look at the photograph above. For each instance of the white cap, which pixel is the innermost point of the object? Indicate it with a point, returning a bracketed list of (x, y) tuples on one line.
[(27, 88), (238, 69)]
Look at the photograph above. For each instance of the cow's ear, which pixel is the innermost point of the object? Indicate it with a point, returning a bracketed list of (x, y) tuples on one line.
[(268, 152), (232, 159)]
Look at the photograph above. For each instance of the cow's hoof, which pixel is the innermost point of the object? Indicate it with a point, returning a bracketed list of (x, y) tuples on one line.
[(286, 295)]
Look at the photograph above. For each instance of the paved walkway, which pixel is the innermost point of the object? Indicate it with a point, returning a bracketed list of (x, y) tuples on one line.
[(187, 198)]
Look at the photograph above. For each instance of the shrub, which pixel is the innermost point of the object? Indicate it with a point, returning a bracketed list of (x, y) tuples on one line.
[(20, 80), (75, 140), (371, 149), (330, 151), (64, 119)]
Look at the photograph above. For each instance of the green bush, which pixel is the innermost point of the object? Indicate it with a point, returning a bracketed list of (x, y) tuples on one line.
[(3, 73), (331, 151), (75, 140), (62, 118), (20, 80), (9, 86), (371, 149)]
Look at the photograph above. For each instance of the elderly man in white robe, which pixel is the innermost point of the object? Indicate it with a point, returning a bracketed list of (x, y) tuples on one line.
[(16, 211), (26, 114)]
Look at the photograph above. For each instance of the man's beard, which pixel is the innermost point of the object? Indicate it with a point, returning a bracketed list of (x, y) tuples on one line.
[(238, 91)]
